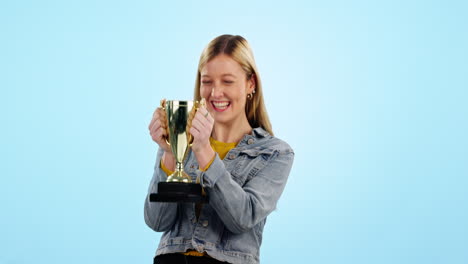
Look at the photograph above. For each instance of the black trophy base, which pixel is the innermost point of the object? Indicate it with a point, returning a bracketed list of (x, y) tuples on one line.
[(178, 192)]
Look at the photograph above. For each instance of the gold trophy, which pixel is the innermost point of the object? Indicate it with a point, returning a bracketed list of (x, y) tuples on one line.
[(179, 186)]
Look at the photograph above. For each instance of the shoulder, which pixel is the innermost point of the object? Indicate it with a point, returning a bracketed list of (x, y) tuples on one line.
[(267, 141)]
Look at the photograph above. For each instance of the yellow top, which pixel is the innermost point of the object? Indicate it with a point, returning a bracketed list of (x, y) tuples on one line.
[(222, 149)]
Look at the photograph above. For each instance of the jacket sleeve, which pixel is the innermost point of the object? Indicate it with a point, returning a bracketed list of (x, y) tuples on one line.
[(241, 208), (159, 216)]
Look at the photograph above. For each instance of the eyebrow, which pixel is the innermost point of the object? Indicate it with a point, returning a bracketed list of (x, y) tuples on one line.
[(229, 74), (223, 75)]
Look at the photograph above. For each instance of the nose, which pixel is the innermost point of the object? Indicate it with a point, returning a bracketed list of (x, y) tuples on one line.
[(217, 92)]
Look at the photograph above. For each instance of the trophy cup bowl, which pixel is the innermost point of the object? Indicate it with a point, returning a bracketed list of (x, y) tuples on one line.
[(179, 186)]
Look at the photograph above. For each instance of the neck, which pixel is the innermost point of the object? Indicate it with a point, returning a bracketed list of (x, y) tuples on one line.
[(230, 133)]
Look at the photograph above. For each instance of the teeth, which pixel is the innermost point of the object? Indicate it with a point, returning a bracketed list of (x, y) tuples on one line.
[(220, 104)]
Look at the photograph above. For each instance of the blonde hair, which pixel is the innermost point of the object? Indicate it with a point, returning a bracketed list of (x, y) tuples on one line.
[(239, 50)]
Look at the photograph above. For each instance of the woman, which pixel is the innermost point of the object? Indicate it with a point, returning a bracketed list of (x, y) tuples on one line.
[(241, 166)]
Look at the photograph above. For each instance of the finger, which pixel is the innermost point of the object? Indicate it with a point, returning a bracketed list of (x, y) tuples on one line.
[(161, 133), (155, 125), (203, 111), (161, 111), (195, 133), (207, 115), (156, 135), (160, 114), (151, 123), (156, 115), (158, 124), (210, 118), (159, 136), (198, 125), (204, 120), (156, 111)]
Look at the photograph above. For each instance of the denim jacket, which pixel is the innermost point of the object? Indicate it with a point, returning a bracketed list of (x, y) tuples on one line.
[(243, 189)]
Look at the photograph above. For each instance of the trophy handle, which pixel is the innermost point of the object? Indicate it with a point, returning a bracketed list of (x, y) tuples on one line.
[(163, 106)]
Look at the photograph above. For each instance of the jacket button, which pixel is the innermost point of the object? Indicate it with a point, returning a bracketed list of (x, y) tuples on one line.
[(232, 156), (205, 223), (250, 141)]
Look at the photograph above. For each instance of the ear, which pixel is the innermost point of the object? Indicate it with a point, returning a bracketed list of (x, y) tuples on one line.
[(251, 83)]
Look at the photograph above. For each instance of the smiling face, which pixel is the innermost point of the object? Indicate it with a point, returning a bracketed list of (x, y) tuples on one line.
[(225, 86)]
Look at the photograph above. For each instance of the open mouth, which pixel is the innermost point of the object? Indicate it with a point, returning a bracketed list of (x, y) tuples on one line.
[(220, 106)]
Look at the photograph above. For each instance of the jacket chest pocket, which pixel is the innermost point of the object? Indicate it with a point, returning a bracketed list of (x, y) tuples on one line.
[(249, 162)]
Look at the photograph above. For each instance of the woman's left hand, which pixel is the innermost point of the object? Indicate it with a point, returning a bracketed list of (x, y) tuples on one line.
[(202, 126)]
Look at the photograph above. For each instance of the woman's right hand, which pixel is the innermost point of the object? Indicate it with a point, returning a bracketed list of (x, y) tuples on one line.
[(158, 128), (158, 132)]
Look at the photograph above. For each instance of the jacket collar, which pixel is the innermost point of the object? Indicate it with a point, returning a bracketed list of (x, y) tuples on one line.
[(260, 132)]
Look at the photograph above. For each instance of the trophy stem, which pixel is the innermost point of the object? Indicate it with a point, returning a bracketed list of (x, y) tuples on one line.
[(179, 166), (179, 175)]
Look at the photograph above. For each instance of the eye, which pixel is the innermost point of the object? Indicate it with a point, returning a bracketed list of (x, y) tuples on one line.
[(206, 82), (228, 81)]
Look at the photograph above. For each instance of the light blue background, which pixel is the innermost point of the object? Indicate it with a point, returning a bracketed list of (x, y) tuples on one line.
[(372, 95)]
